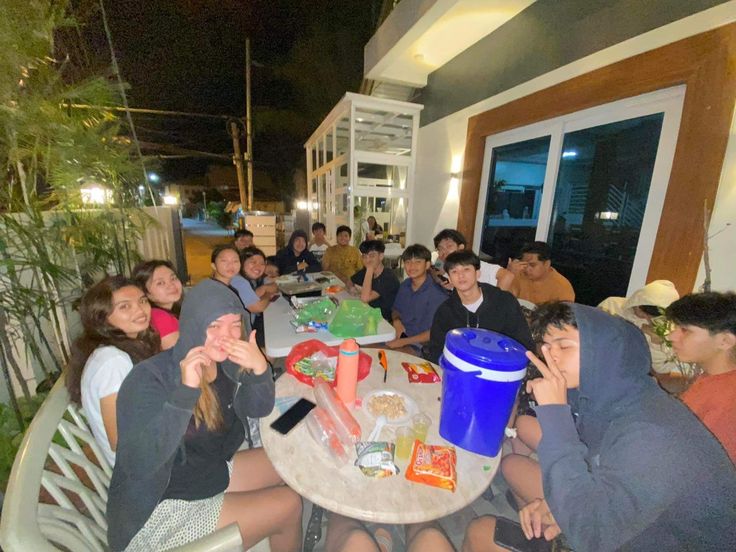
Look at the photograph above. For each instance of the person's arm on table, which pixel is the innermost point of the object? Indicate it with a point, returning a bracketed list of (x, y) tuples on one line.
[(267, 289), (404, 341)]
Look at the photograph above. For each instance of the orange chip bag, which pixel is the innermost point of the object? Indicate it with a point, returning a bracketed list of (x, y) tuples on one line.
[(433, 465)]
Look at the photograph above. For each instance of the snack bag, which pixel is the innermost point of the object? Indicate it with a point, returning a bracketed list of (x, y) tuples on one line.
[(420, 373), (376, 458), (433, 465)]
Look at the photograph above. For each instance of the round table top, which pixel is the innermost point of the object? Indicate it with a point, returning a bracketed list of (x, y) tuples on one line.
[(308, 469)]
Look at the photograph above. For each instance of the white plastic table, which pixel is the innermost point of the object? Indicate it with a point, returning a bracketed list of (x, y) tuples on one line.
[(307, 468), (281, 337)]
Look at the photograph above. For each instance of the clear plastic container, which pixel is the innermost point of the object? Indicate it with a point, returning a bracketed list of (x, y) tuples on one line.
[(322, 428), (346, 425)]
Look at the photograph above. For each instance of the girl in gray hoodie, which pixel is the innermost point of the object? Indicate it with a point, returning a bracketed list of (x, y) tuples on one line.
[(179, 475)]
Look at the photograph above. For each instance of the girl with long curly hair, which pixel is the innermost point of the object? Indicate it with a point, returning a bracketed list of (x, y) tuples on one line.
[(115, 317)]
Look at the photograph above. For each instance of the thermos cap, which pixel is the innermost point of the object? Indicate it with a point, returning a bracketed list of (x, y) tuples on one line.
[(486, 349)]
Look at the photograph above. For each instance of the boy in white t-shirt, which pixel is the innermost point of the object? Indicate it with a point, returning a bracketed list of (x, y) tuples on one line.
[(319, 243), (449, 241)]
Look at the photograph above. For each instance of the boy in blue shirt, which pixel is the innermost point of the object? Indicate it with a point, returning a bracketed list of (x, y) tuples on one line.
[(416, 301)]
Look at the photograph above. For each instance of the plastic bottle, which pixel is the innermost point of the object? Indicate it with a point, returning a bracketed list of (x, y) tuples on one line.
[(347, 371), (346, 425), (322, 429)]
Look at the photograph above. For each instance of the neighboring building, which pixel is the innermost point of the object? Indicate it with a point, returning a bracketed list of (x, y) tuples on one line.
[(601, 126)]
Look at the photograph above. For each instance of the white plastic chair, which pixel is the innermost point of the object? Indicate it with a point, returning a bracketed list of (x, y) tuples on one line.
[(78, 525)]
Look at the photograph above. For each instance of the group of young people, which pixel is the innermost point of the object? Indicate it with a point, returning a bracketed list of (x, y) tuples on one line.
[(167, 382), (609, 459)]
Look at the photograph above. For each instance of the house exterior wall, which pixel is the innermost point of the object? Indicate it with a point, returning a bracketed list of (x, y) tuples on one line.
[(442, 141), (547, 35)]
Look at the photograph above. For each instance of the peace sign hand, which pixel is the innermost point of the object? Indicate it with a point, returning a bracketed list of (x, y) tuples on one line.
[(246, 354), (551, 388)]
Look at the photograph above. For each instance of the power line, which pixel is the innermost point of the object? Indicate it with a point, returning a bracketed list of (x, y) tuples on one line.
[(147, 111)]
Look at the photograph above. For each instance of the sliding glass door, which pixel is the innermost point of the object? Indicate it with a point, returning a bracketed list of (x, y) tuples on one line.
[(591, 184)]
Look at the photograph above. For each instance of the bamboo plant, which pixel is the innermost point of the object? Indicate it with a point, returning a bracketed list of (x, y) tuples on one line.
[(52, 244)]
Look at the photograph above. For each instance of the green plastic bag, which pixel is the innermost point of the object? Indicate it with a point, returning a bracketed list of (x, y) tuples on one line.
[(355, 319), (319, 311)]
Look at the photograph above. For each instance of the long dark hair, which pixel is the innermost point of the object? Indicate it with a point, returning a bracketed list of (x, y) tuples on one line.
[(143, 272), (95, 307)]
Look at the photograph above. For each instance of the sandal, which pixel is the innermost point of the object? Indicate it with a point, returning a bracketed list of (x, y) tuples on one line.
[(384, 539)]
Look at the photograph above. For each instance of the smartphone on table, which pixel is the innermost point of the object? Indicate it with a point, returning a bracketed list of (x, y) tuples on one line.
[(288, 420), (510, 535)]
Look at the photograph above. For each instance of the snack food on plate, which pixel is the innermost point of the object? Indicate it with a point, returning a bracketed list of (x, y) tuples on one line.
[(389, 405), (376, 458), (433, 465)]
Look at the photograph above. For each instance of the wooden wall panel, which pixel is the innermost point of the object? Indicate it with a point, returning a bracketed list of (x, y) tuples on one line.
[(706, 63)]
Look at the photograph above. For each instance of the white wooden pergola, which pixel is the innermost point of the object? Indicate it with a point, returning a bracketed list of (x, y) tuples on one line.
[(360, 163)]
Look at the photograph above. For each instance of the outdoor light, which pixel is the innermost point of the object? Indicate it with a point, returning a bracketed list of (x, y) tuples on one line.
[(607, 215), (569, 153), (95, 195), (302, 205), (153, 177), (170, 200), (315, 205), (141, 189)]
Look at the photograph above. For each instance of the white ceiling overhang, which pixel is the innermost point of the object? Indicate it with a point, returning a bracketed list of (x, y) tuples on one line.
[(420, 36)]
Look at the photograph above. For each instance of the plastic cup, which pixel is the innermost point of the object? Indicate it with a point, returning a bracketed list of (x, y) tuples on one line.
[(404, 442), (420, 425)]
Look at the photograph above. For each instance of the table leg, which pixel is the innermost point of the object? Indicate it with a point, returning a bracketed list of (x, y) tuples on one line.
[(314, 528)]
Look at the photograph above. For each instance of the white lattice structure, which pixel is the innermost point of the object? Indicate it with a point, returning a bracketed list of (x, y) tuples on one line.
[(76, 521)]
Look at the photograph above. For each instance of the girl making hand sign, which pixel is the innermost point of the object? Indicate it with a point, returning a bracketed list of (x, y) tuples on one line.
[(178, 476)]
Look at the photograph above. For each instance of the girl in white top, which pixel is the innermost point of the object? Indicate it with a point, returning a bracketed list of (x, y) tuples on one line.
[(115, 317)]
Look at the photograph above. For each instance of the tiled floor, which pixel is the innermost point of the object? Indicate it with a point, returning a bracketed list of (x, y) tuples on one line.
[(454, 525)]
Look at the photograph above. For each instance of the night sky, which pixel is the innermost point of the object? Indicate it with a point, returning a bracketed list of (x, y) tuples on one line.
[(190, 56)]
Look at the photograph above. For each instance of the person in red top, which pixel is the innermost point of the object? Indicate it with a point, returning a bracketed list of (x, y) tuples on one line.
[(158, 280), (704, 333)]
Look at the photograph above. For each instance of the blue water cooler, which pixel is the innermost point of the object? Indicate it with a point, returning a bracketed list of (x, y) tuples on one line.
[(482, 372)]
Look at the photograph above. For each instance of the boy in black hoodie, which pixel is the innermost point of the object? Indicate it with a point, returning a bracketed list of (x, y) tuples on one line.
[(475, 305)]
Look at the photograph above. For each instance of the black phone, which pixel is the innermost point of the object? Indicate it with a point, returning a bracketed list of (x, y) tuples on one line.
[(288, 420), (510, 535)]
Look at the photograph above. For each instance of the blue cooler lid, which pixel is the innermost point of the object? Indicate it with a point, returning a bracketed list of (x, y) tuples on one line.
[(484, 349)]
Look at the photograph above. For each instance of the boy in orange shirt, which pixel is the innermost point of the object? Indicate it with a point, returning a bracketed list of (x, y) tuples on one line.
[(705, 334)]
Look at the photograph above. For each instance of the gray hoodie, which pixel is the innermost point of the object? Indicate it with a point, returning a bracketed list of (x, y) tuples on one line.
[(639, 472), (154, 409)]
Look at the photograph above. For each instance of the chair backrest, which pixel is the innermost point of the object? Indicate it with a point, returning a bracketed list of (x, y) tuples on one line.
[(60, 456)]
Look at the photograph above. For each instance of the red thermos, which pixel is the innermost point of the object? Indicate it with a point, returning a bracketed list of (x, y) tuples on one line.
[(347, 371)]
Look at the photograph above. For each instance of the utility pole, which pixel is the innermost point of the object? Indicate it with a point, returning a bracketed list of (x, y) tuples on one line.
[(238, 161), (248, 132)]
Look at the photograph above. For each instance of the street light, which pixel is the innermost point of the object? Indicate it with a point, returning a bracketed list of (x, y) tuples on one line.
[(94, 194), (153, 177)]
